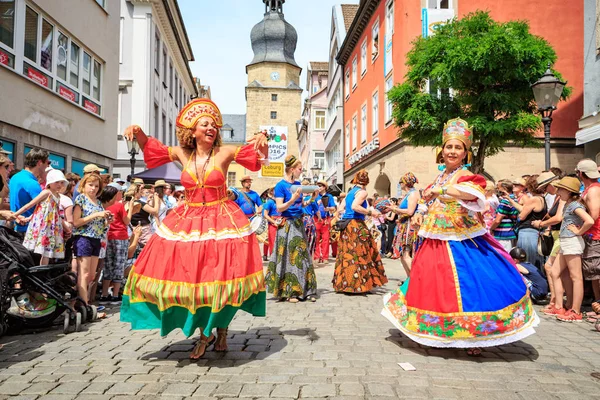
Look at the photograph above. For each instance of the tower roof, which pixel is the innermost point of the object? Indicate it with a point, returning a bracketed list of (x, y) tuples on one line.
[(274, 39)]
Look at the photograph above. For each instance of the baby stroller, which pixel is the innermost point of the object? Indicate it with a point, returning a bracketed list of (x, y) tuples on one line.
[(32, 296)]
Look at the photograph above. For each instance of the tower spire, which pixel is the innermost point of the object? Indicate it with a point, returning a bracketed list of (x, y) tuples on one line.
[(273, 6)]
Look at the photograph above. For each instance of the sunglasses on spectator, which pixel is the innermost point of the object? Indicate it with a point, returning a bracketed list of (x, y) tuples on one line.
[(7, 165)]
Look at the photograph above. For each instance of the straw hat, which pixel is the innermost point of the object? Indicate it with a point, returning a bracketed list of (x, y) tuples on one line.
[(246, 178), (138, 181), (568, 183), (322, 182), (545, 178), (161, 183)]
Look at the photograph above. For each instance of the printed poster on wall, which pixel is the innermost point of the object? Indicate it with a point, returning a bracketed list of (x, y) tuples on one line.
[(432, 19), (277, 137)]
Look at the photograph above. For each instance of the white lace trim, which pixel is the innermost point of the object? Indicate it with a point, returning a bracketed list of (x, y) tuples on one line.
[(452, 236), (478, 205)]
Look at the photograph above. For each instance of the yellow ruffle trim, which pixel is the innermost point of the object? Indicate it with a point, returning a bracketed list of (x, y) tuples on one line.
[(216, 294)]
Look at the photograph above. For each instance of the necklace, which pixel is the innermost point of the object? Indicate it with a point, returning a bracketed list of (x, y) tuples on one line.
[(201, 180), (441, 182)]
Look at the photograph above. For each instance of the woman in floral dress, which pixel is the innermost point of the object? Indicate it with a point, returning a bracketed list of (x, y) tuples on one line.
[(358, 266), (291, 274), (464, 289)]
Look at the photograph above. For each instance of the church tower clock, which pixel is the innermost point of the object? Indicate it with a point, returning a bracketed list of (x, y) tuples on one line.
[(273, 93)]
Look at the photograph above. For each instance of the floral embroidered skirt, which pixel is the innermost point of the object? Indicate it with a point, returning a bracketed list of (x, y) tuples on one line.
[(197, 271), (462, 294), (290, 272), (406, 239), (358, 266)]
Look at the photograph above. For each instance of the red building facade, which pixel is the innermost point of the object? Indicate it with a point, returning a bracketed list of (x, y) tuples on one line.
[(373, 57)]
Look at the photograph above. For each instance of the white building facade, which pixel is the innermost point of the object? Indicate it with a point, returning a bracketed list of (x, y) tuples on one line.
[(341, 16), (314, 121), (59, 79), (155, 80)]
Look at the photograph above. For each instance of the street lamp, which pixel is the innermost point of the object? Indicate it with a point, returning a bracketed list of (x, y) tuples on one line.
[(133, 148), (547, 91), (315, 173)]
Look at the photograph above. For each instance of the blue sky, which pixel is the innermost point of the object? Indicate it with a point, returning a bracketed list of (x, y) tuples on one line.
[(219, 32)]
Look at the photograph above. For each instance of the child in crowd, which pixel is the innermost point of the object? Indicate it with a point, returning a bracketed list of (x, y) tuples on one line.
[(116, 250), (44, 234), (538, 287), (90, 222), (576, 221)]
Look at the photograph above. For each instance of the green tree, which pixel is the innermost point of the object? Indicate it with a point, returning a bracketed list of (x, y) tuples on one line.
[(490, 67)]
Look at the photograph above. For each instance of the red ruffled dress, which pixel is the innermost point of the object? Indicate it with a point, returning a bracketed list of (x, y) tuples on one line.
[(203, 263)]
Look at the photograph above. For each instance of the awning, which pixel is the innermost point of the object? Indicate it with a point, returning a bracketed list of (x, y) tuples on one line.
[(169, 172), (588, 134)]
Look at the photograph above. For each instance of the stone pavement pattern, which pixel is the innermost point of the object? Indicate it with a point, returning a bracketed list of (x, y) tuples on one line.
[(337, 348)]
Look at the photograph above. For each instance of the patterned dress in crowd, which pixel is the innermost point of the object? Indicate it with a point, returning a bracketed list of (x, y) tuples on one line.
[(406, 238), (358, 266), (290, 272), (310, 211), (44, 234), (464, 290), (203, 264)]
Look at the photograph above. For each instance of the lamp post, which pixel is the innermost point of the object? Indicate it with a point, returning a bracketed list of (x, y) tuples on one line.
[(315, 173), (133, 148), (547, 91)]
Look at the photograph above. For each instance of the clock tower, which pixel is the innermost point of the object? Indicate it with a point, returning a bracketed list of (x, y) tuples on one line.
[(273, 93)]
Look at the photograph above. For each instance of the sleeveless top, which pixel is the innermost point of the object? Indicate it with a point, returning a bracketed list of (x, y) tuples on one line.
[(534, 216), (552, 213), (594, 232), (349, 213), (142, 217)]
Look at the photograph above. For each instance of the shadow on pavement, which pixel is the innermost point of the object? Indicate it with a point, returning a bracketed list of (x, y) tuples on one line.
[(517, 351), (243, 347)]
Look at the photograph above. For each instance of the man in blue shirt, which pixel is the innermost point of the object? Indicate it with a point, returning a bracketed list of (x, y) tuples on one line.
[(327, 208), (248, 200), (25, 185)]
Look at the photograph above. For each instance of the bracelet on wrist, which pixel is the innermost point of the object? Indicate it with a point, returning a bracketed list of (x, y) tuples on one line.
[(444, 190)]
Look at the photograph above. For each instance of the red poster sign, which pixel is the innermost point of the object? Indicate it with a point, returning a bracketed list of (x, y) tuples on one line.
[(37, 77), (88, 105), (66, 93), (3, 58)]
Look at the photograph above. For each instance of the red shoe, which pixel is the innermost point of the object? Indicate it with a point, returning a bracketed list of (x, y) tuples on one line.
[(570, 316), (553, 311)]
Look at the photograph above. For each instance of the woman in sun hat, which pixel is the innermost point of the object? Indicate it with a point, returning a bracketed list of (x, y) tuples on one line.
[(551, 221), (576, 221), (203, 264)]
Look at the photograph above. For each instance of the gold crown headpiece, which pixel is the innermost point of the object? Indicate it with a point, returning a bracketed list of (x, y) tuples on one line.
[(196, 109), (458, 129)]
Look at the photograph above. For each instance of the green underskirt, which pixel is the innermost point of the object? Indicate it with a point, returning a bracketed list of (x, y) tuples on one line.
[(145, 315)]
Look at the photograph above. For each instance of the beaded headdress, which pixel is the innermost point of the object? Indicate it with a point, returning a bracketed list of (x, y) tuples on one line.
[(458, 129), (197, 108)]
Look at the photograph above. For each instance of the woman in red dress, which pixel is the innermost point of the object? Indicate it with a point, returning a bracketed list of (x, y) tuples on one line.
[(203, 263)]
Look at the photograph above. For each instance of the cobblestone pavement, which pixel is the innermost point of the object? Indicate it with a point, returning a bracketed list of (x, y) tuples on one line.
[(338, 348)]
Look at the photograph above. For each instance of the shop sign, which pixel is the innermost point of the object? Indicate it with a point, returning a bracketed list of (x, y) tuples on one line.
[(3, 58), (364, 152), (66, 93), (278, 146), (37, 76), (88, 105), (273, 170)]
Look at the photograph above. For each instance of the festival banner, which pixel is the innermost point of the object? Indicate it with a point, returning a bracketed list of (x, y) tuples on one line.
[(278, 147)]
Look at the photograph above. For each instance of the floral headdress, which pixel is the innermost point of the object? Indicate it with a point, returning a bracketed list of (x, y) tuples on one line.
[(409, 179), (197, 108), (458, 129)]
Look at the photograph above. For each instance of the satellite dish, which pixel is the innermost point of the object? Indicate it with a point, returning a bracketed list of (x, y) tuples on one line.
[(62, 55)]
